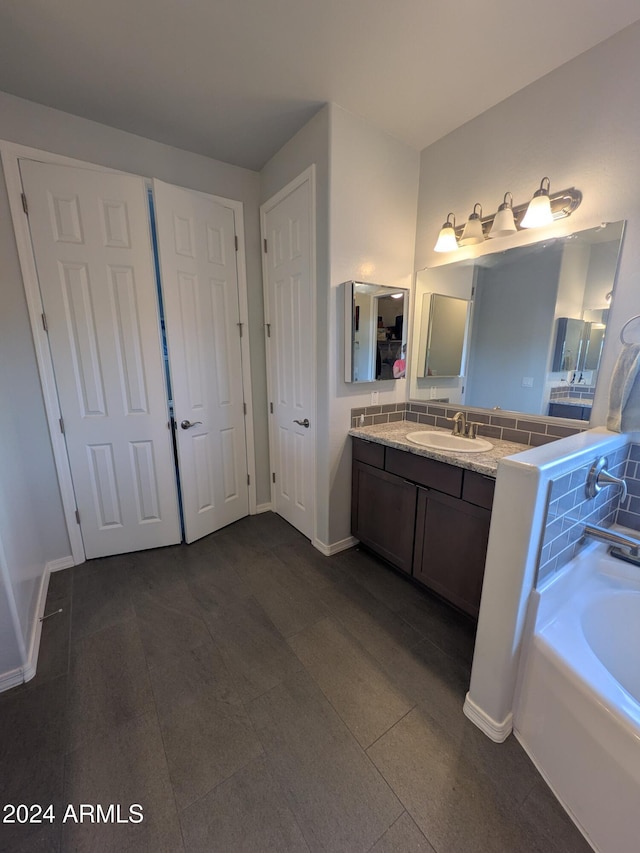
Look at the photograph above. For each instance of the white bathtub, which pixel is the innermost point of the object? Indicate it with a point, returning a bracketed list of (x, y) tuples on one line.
[(578, 707)]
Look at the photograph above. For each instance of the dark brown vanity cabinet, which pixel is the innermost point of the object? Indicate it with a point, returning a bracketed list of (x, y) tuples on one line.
[(425, 517), (383, 514), (451, 547)]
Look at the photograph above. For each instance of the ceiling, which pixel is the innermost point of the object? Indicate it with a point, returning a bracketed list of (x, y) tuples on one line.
[(234, 79)]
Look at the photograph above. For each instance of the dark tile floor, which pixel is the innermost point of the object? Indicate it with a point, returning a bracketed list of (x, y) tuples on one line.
[(253, 695)]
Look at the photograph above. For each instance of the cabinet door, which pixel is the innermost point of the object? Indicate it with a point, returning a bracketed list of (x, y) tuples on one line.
[(451, 547), (383, 513)]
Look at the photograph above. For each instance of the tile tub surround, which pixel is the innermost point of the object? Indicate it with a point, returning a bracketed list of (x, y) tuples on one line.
[(521, 429), (629, 516), (394, 435), (569, 509)]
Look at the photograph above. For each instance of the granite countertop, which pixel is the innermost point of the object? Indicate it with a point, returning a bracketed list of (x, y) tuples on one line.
[(573, 401), (393, 435)]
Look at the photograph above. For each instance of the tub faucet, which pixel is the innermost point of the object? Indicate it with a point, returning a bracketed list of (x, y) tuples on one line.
[(612, 537), (599, 477)]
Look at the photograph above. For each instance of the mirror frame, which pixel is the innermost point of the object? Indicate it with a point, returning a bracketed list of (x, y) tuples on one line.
[(350, 323)]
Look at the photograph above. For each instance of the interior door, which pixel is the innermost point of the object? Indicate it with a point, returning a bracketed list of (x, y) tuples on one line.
[(196, 239), (92, 247), (289, 312)]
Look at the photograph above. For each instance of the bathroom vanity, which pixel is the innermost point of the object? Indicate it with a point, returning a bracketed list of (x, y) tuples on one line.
[(425, 512)]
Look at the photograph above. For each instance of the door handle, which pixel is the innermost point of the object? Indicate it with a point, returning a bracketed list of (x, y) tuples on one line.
[(188, 424), (304, 423)]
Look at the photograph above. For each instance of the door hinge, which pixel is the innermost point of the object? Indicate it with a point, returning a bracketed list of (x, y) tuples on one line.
[(61, 422), (78, 516), (240, 325), (25, 206), (45, 325), (268, 325), (244, 406), (265, 245), (248, 479), (271, 407), (273, 476), (236, 241)]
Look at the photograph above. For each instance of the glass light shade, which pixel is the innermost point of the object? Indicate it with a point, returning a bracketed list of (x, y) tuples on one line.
[(538, 213), (446, 241), (473, 232), (503, 222)]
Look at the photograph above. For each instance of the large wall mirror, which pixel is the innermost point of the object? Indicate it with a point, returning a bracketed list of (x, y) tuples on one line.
[(535, 327), (376, 319)]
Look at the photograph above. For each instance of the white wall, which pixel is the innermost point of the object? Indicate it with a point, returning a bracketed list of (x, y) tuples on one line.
[(366, 195), (580, 125), (373, 197)]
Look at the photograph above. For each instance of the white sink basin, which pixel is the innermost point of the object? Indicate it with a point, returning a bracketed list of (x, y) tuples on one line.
[(445, 441)]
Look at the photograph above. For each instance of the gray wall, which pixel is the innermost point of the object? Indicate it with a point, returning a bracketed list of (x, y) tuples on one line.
[(513, 321)]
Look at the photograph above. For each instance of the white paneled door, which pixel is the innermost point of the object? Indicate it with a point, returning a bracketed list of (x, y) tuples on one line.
[(92, 247), (289, 309), (196, 238)]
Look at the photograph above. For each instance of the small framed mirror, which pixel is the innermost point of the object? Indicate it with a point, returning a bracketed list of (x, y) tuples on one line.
[(445, 326), (376, 320)]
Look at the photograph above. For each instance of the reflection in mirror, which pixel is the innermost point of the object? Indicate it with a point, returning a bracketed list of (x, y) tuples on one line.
[(375, 331), (538, 324), (446, 319)]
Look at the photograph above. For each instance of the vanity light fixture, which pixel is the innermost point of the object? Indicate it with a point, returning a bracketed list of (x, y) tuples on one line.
[(561, 204), (447, 237), (539, 210), (504, 224), (473, 232)]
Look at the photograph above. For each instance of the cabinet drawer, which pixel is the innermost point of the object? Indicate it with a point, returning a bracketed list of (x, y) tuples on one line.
[(368, 452), (478, 489), (426, 472)]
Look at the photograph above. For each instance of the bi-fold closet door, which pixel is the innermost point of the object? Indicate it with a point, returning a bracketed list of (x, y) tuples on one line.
[(91, 240)]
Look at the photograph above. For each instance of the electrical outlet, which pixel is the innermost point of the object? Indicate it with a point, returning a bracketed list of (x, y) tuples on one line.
[(374, 398), (527, 381), (434, 392)]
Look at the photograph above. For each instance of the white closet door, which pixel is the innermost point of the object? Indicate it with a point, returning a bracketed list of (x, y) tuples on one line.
[(288, 272), (91, 240), (196, 239)]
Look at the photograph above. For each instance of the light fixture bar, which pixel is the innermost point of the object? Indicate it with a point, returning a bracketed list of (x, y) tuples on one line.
[(563, 204)]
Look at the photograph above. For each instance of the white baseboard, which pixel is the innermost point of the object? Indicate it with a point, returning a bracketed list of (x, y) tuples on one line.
[(62, 563), (263, 508), (335, 547), (498, 732), (26, 672), (36, 629)]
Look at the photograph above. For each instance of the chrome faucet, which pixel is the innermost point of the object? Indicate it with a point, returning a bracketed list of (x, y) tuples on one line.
[(617, 541)]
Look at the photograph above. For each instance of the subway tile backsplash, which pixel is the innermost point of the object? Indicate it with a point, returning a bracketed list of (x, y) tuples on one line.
[(569, 509), (516, 428)]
